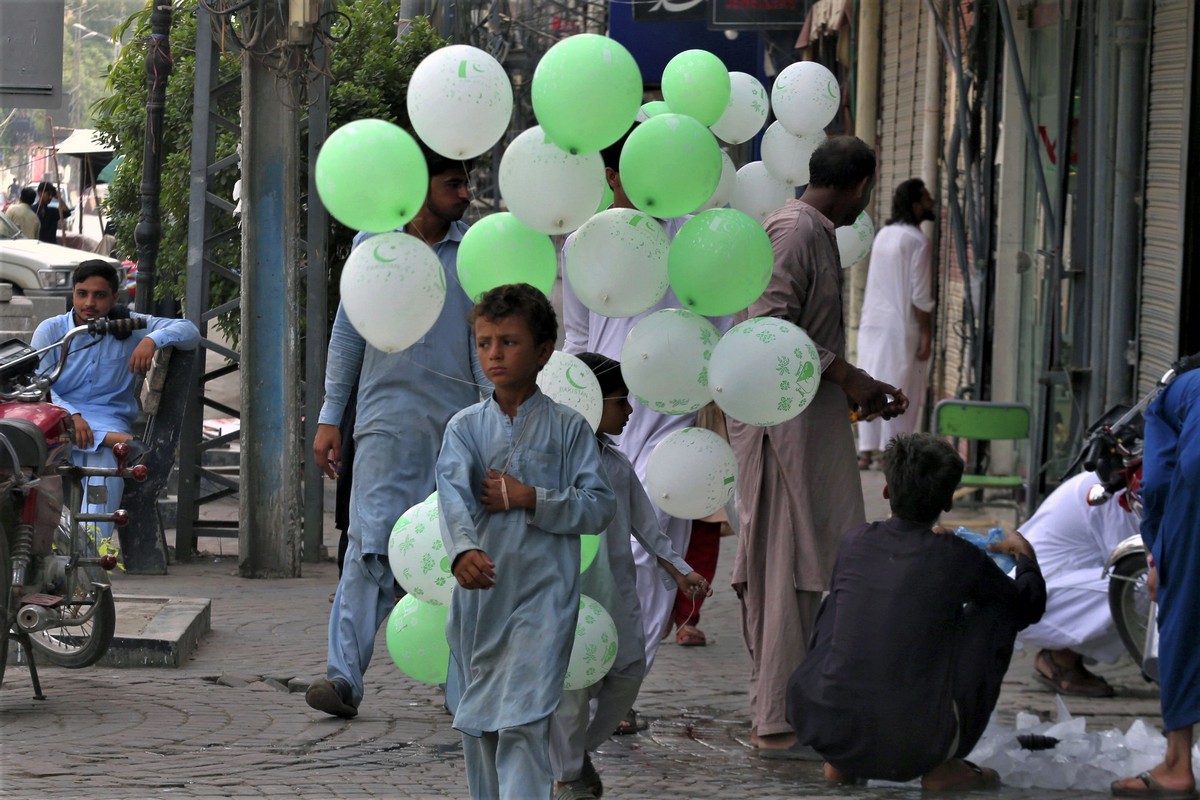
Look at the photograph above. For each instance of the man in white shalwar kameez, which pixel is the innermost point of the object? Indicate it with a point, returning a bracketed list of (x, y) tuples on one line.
[(587, 331), (1073, 542), (896, 333)]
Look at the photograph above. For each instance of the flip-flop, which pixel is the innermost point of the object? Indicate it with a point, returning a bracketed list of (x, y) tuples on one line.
[(1152, 789), (690, 636), (1060, 680)]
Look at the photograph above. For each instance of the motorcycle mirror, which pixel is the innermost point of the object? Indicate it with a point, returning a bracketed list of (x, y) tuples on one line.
[(1098, 495)]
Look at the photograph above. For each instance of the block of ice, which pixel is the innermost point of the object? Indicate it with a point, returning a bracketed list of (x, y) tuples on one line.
[(1070, 728), (1026, 721), (1063, 714)]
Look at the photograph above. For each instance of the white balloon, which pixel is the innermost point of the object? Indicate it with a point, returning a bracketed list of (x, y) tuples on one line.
[(786, 155), (805, 97), (393, 288), (417, 557), (691, 473), (664, 360), (547, 188), (617, 262), (723, 194), (758, 193), (854, 241), (460, 101), (567, 380), (764, 371), (747, 110), (594, 646)]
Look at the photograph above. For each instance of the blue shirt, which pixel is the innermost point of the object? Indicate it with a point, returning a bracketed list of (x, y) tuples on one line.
[(96, 382)]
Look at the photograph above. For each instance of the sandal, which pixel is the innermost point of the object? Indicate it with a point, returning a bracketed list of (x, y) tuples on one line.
[(690, 636), (864, 462), (1150, 788), (1076, 681), (629, 724)]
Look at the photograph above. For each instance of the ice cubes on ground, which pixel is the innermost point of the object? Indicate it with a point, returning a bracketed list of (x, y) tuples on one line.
[(1027, 721), (1071, 728)]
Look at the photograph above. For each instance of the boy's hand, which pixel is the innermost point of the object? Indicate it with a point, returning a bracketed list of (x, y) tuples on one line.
[(693, 585), (474, 570), (1014, 544), (503, 492)]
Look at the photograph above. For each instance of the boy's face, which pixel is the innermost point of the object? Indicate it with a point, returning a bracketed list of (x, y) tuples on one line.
[(507, 353), (615, 414)]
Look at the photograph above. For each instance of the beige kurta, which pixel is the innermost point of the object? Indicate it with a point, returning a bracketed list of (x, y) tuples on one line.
[(798, 487)]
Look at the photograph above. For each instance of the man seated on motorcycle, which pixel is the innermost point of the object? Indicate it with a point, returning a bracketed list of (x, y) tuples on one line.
[(97, 385), (911, 645), (1073, 542)]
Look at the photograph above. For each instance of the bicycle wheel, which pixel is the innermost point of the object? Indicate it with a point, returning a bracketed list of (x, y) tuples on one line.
[(1129, 602), (85, 590)]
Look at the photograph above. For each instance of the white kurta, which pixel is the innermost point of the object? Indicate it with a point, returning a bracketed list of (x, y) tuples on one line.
[(587, 331), (510, 644), (898, 283), (1073, 541)]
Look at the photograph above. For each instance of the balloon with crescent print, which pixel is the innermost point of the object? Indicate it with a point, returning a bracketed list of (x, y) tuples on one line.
[(393, 288)]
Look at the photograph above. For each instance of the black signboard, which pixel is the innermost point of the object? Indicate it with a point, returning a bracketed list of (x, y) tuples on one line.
[(669, 10), (771, 14)]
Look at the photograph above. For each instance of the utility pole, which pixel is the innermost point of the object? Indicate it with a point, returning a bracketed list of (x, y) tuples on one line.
[(148, 232), (271, 519)]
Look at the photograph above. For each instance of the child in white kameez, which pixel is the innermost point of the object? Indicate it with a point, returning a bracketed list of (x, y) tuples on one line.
[(519, 479), (611, 580)]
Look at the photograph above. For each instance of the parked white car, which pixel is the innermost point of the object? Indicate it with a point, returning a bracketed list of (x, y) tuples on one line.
[(38, 269)]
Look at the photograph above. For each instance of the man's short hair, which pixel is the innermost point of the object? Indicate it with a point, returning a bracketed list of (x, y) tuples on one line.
[(922, 472), (841, 162), (46, 186), (519, 299), (608, 374), (611, 155), (28, 195), (906, 194), (93, 268), (437, 163)]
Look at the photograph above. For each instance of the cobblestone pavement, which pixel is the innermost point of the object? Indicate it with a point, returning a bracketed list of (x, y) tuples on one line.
[(133, 733)]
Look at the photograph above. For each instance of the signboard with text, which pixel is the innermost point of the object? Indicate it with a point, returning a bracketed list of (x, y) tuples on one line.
[(770, 14), (670, 10)]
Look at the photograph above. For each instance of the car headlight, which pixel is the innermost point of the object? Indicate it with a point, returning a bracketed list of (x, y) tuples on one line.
[(55, 277)]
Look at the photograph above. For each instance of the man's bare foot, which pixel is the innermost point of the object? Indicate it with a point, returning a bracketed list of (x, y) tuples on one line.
[(959, 773), (835, 775), (773, 741)]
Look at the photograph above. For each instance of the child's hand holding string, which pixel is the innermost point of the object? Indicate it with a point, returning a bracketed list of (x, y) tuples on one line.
[(693, 585), (503, 492)]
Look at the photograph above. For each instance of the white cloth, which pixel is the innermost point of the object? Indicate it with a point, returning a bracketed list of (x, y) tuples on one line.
[(511, 642), (1073, 541), (587, 331), (898, 283)]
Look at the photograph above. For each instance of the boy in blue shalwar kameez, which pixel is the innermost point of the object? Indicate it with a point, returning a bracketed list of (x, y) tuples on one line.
[(519, 479)]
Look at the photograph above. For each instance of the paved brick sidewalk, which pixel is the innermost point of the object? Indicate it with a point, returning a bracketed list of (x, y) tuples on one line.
[(132, 733)]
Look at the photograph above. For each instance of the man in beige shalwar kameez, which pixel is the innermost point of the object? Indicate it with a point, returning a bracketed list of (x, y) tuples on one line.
[(799, 487)]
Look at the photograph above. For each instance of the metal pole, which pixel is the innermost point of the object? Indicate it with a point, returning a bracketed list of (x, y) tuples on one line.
[(1130, 127), (269, 534), (148, 232)]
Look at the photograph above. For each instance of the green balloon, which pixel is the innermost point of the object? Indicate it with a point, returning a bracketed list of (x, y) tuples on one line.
[(696, 83), (399, 179), (500, 249), (416, 640), (670, 165), (653, 109), (588, 546), (720, 262), (586, 92)]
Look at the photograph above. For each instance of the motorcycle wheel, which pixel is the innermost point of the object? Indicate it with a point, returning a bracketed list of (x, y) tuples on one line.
[(85, 587), (1129, 602), (5, 600)]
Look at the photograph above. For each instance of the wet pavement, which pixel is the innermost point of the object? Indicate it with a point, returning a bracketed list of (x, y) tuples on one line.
[(215, 727)]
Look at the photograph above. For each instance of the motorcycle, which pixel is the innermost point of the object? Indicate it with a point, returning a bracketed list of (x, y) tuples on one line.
[(1113, 450), (55, 597)]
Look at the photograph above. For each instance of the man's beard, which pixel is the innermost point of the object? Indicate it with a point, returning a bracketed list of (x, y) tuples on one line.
[(928, 216)]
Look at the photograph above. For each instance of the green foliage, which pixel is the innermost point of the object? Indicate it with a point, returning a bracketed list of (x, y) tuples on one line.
[(370, 73)]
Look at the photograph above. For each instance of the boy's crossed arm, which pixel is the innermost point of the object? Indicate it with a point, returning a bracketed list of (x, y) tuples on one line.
[(500, 492)]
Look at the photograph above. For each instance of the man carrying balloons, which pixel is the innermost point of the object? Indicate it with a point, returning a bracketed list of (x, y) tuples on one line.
[(799, 488), (410, 383), (895, 338)]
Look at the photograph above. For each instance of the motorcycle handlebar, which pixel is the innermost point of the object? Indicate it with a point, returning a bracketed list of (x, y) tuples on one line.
[(1186, 364), (116, 327), (1093, 453)]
